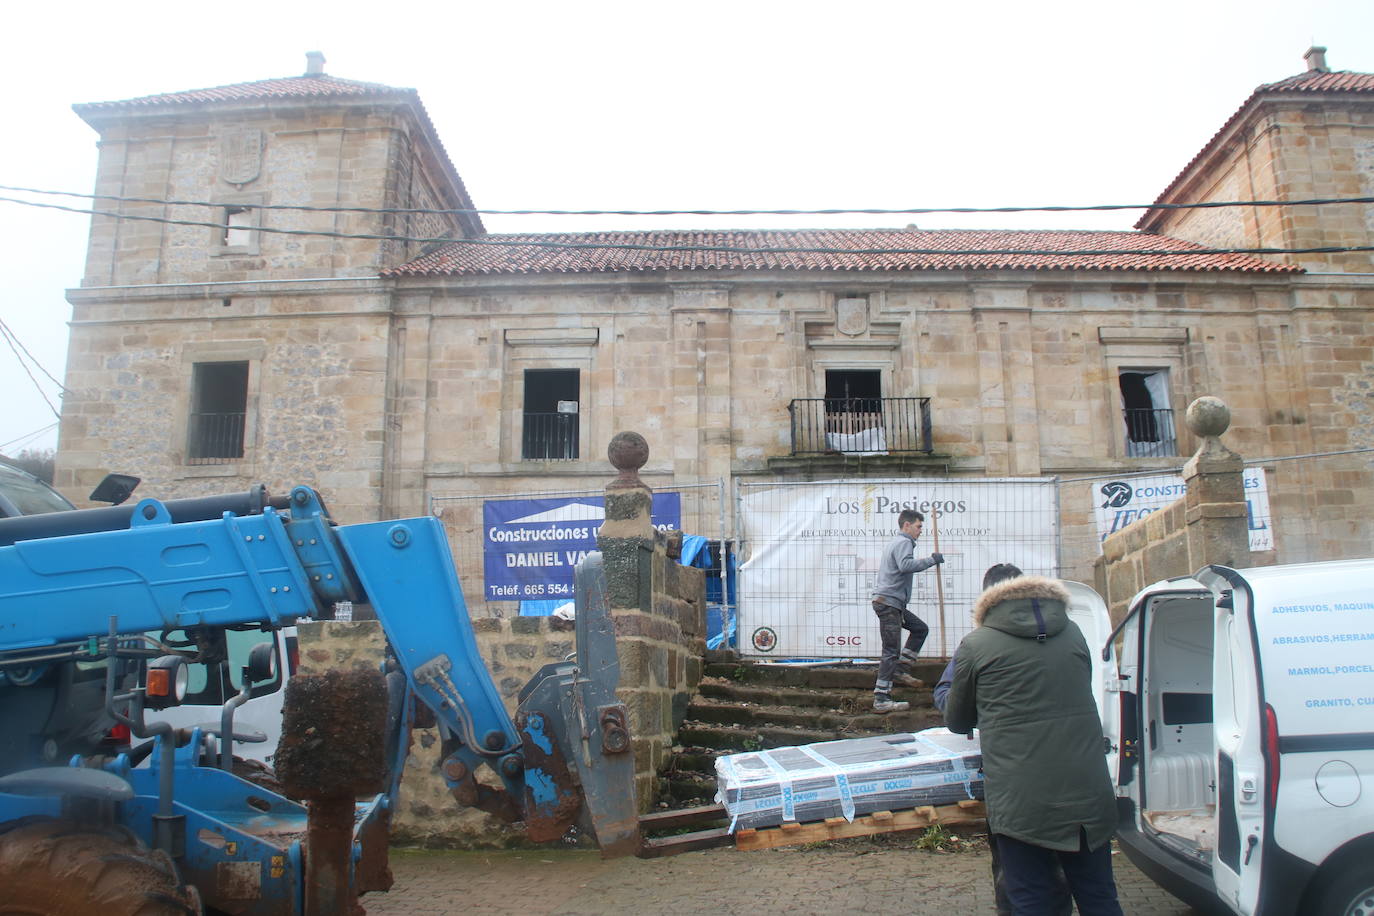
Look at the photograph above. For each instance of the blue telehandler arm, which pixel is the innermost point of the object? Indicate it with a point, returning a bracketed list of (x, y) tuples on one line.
[(79, 594)]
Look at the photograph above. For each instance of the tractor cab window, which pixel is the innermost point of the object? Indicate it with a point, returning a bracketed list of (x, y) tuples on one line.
[(214, 685)]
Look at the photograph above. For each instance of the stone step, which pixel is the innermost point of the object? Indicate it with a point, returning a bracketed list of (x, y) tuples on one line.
[(684, 788), (745, 706), (822, 677), (856, 713), (804, 698), (771, 733)]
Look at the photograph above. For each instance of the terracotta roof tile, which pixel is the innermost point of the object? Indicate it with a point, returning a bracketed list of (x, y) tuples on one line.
[(840, 250), (1312, 81)]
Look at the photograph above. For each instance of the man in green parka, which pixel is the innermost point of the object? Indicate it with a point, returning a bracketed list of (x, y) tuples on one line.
[(1023, 678)]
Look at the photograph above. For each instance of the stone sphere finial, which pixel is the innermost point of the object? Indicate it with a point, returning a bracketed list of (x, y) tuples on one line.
[(1208, 417), (628, 452)]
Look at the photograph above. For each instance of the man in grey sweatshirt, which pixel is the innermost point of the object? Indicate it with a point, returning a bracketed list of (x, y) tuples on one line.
[(891, 594)]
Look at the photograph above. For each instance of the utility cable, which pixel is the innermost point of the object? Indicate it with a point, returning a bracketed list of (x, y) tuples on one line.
[(5, 332), (827, 211), (27, 436), (515, 242)]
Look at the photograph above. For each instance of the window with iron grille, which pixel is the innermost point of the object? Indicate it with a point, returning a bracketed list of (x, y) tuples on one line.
[(219, 404), (550, 429)]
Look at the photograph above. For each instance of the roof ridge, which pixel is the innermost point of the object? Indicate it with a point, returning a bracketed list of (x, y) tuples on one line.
[(520, 253), (827, 230), (1307, 81), (227, 91)]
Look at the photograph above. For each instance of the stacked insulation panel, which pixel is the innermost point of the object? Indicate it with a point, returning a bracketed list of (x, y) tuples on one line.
[(848, 778)]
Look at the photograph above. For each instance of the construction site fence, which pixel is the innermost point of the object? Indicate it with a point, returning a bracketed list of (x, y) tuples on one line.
[(807, 551), (703, 511)]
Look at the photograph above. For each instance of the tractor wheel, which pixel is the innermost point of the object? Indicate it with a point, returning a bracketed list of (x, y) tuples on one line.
[(56, 867)]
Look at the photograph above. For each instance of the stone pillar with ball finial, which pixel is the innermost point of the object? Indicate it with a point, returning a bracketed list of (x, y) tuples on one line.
[(659, 610), (1215, 509)]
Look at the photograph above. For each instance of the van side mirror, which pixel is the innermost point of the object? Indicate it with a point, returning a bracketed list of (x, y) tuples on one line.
[(114, 489)]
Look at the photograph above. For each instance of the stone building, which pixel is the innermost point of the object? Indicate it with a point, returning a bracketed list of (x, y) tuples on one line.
[(211, 356)]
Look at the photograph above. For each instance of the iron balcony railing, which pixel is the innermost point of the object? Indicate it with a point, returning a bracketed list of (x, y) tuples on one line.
[(215, 438), (549, 437), (860, 426), (1150, 433)]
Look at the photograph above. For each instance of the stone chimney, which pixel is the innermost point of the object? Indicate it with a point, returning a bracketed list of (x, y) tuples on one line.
[(1316, 59), (314, 63)]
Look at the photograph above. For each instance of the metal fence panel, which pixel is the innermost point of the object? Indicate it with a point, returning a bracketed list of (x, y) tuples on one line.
[(809, 553), (703, 513), (1299, 509)]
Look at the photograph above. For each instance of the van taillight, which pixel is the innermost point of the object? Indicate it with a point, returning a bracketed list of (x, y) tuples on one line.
[(293, 654), (1271, 755)]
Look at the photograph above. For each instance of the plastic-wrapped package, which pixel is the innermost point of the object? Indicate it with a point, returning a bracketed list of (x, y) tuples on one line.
[(848, 778)]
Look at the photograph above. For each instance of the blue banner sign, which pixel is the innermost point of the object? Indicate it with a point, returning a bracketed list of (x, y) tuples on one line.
[(532, 546)]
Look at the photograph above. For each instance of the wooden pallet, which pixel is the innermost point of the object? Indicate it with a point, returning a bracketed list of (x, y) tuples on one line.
[(655, 847), (966, 812)]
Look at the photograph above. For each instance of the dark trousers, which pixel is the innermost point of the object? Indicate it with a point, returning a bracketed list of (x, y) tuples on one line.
[(1028, 877), (1061, 905), (891, 622)]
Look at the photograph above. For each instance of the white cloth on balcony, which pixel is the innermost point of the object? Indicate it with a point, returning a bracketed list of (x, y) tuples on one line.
[(865, 442)]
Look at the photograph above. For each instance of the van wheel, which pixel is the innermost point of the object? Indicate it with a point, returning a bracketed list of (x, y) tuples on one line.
[(57, 867), (1348, 893)]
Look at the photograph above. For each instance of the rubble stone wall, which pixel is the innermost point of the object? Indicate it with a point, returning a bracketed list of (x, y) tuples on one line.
[(659, 667)]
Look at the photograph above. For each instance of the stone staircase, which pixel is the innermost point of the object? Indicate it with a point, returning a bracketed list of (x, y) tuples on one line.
[(743, 706)]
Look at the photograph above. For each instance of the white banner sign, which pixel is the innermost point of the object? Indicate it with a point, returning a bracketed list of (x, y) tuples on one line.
[(813, 551), (1117, 503)]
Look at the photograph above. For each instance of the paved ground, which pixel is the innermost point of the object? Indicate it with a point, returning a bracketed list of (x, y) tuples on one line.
[(855, 877)]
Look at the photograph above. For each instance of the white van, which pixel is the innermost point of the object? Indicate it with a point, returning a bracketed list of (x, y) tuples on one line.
[(1241, 735)]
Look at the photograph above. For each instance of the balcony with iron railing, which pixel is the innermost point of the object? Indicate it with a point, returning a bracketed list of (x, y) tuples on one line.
[(860, 426), (1150, 433), (549, 437), (215, 438)]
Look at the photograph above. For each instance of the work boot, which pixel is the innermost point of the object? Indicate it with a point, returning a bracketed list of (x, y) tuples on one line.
[(908, 680), (883, 703)]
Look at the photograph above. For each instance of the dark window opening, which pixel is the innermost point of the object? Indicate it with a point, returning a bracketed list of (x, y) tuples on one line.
[(551, 414), (219, 406), (852, 390), (1145, 410), (853, 401)]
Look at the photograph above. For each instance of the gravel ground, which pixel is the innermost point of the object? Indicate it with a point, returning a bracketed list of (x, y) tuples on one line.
[(860, 876)]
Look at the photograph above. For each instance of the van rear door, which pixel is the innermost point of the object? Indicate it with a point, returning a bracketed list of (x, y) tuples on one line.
[(1089, 612), (1238, 711)]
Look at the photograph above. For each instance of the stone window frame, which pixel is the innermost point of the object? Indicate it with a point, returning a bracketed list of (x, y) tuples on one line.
[(1143, 350), (254, 353), (225, 202), (546, 348)]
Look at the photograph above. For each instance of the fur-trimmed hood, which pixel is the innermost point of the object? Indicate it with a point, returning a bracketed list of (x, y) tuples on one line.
[(1012, 605)]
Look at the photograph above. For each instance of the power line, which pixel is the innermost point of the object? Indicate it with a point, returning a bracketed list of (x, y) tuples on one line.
[(828, 211), (27, 436), (10, 333), (513, 242), (9, 339)]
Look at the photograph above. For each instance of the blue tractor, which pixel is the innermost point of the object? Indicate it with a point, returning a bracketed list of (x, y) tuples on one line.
[(104, 807)]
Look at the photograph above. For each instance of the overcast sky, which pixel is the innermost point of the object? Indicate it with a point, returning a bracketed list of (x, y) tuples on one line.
[(701, 104)]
